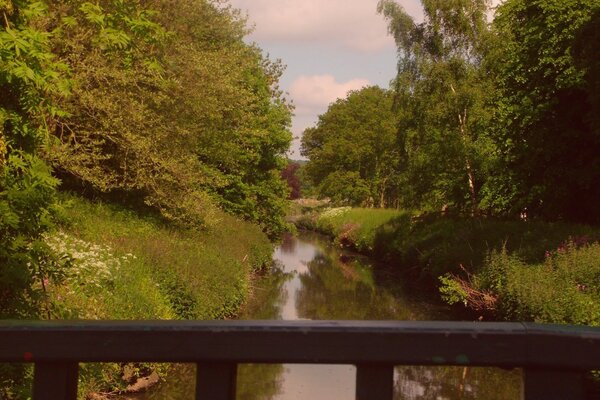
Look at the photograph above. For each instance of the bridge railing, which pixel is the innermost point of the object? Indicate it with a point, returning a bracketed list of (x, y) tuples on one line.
[(554, 358)]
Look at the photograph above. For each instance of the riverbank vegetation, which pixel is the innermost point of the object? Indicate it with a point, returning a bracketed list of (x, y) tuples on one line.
[(173, 128), (147, 104), (122, 265), (517, 270), (489, 138)]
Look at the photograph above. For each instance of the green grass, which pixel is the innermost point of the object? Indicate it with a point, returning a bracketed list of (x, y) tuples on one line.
[(353, 227), (197, 274), (127, 265)]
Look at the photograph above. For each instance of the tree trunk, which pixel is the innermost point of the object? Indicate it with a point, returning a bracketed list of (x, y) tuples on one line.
[(462, 123)]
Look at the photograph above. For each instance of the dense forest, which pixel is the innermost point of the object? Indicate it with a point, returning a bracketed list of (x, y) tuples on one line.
[(483, 118)]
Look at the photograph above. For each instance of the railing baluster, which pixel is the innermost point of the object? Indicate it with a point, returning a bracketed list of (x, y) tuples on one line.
[(540, 384), (216, 381), (55, 381), (374, 382)]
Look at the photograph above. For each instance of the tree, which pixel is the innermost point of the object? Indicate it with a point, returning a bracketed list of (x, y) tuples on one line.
[(440, 100), (30, 78), (171, 106), (352, 150), (546, 124), (290, 175)]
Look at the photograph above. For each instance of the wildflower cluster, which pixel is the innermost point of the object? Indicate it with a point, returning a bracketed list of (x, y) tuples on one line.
[(568, 245), (335, 212), (91, 264)]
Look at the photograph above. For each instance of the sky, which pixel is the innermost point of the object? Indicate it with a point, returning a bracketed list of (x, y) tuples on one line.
[(329, 47)]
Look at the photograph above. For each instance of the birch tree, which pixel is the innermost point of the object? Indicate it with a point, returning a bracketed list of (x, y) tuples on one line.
[(441, 96)]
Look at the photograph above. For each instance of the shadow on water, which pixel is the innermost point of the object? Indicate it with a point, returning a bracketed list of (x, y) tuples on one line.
[(312, 279)]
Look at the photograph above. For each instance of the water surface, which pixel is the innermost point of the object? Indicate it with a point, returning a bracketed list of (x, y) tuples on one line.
[(313, 279)]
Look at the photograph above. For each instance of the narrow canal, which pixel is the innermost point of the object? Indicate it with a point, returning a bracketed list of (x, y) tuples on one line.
[(312, 279)]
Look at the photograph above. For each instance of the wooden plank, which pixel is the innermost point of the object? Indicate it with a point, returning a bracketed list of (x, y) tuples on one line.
[(216, 381), (374, 382), (540, 384), (332, 342), (55, 381)]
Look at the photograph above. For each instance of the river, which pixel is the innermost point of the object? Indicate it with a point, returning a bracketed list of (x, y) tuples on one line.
[(312, 279)]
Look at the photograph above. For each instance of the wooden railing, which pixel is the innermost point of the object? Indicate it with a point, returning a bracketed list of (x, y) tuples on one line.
[(554, 358)]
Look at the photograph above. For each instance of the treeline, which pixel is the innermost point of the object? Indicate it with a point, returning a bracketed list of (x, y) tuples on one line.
[(497, 118), (157, 101)]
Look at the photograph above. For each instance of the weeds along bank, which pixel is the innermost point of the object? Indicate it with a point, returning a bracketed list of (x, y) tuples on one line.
[(121, 265), (195, 274), (517, 270)]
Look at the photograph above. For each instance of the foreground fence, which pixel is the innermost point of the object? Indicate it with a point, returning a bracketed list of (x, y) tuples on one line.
[(554, 358)]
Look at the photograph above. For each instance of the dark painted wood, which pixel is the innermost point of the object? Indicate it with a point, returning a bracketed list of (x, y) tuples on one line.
[(540, 384), (217, 346), (216, 381), (343, 342), (374, 382), (55, 381)]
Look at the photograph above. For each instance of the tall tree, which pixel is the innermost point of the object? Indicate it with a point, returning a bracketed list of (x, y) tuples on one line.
[(546, 126), (290, 175), (352, 149), (440, 98)]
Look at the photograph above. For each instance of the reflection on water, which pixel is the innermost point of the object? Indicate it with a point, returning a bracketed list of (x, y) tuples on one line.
[(311, 279)]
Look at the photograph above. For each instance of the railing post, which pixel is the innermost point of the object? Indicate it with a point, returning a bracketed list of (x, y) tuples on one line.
[(374, 382), (55, 381), (540, 384), (216, 381)]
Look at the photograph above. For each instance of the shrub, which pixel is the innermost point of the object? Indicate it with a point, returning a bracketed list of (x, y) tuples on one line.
[(563, 289)]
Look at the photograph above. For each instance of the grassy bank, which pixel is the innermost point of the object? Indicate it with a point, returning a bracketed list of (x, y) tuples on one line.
[(521, 270), (194, 274), (124, 265)]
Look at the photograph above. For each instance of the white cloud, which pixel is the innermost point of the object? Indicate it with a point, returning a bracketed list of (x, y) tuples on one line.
[(353, 24), (312, 94)]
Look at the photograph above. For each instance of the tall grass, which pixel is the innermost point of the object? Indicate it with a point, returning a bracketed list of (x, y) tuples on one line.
[(199, 274), (128, 265), (563, 289)]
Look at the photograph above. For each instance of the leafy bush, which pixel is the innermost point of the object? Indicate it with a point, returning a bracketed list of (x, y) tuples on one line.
[(27, 206), (563, 289)]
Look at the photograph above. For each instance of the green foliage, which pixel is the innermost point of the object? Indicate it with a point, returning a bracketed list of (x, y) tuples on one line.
[(440, 97), (207, 271), (546, 109), (130, 266), (353, 227), (352, 150), (452, 291), (563, 289), (343, 187), (435, 244), (29, 77), (171, 106)]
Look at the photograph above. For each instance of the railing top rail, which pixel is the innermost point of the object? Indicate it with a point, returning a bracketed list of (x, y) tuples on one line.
[(502, 344)]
